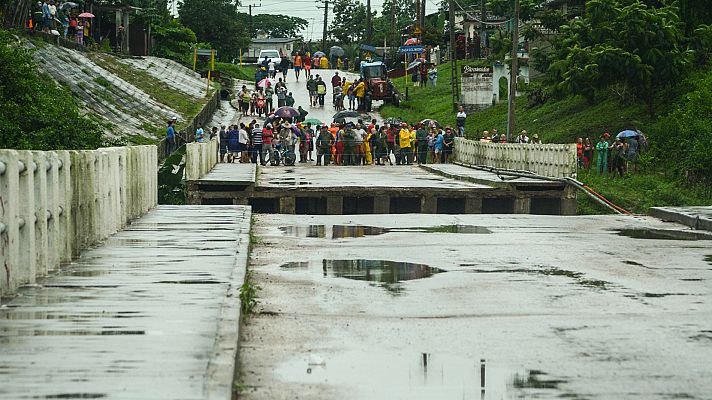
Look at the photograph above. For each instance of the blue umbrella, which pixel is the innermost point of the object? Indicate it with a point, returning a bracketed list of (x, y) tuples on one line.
[(287, 112), (626, 134), (319, 54)]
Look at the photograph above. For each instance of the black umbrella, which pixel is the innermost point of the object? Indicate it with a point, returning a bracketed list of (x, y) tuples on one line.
[(346, 113)]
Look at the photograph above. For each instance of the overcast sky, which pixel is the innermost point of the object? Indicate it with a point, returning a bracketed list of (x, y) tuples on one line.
[(308, 10)]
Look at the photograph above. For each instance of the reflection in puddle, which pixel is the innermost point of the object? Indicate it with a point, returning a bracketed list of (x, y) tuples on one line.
[(388, 274), (380, 375), (664, 234), (357, 231)]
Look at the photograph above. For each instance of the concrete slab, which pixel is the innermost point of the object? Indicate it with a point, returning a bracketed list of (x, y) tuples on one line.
[(470, 174), (406, 177), (557, 307), (234, 173), (694, 217), (151, 314)]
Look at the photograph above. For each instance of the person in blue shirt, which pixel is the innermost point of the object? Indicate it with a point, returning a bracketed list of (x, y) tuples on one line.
[(438, 146), (200, 134), (171, 137)]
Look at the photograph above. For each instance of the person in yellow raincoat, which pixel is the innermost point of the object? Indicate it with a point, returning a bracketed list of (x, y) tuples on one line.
[(324, 63), (367, 147)]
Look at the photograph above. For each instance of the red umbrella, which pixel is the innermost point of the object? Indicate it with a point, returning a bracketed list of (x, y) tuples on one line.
[(86, 15), (411, 41)]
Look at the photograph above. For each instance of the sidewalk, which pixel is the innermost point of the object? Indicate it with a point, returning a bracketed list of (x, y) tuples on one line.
[(153, 313)]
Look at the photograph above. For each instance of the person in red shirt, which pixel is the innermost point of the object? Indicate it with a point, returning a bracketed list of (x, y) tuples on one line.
[(579, 152)]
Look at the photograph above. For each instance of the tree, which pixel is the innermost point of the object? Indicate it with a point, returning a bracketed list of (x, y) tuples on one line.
[(620, 42), (35, 113), (216, 22), (278, 25), (349, 24), (173, 41)]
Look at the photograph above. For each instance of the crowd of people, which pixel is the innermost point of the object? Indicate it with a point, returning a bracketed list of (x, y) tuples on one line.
[(345, 143), (62, 18), (617, 156)]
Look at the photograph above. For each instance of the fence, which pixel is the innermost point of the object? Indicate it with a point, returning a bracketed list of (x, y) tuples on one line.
[(200, 158), (552, 160), (53, 204), (188, 134)]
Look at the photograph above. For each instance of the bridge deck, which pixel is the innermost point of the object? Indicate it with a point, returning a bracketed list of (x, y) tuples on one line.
[(152, 313)]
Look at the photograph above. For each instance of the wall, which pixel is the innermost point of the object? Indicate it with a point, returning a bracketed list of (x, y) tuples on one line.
[(53, 204), (188, 134), (200, 158), (552, 160)]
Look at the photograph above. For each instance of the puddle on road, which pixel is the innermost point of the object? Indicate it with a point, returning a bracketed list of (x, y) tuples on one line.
[(388, 274), (75, 396), (417, 375), (664, 234), (357, 231)]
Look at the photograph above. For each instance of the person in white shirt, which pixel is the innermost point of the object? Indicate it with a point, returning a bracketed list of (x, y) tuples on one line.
[(461, 118)]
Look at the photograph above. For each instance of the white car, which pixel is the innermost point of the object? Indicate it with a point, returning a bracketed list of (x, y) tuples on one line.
[(272, 55)]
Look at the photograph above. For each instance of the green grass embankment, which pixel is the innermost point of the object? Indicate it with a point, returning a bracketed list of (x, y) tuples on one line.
[(562, 121)]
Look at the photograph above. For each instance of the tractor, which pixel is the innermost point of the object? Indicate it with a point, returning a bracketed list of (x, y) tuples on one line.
[(378, 85)]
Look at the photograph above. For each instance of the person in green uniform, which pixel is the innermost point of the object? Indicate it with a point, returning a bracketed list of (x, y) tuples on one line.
[(323, 145), (602, 155), (348, 138)]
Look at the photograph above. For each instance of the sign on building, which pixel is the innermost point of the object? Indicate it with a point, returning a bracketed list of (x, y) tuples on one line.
[(477, 85)]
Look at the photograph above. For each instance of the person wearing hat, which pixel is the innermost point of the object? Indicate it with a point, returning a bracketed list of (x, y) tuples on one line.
[(602, 155), (323, 146), (523, 137), (535, 139)]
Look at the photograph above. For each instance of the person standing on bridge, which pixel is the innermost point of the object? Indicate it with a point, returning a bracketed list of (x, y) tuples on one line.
[(323, 145), (360, 91), (257, 144), (421, 140), (171, 137), (404, 136), (200, 134), (267, 144)]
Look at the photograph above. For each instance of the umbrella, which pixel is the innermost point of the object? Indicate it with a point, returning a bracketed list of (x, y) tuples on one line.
[(411, 41), (392, 121), (344, 114), (264, 83), (415, 63), (313, 121), (430, 122), (319, 54), (626, 134), (86, 15), (287, 112), (336, 51), (68, 5)]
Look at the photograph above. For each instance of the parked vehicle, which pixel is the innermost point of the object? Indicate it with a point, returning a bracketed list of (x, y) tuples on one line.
[(379, 86)]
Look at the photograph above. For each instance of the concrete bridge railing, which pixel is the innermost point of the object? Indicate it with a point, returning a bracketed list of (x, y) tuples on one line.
[(53, 204), (552, 160), (200, 158)]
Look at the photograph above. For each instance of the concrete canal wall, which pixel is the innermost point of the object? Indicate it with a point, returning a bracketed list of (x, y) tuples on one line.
[(552, 160), (53, 204)]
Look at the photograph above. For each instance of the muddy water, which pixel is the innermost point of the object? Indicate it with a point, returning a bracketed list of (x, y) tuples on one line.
[(357, 231)]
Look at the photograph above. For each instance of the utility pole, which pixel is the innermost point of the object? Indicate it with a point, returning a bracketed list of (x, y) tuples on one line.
[(422, 15), (514, 73), (369, 27), (483, 19), (453, 58), (326, 18), (252, 28), (417, 13), (394, 40)]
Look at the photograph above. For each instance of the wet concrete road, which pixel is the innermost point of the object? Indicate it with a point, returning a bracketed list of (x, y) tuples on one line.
[(557, 307), (148, 315)]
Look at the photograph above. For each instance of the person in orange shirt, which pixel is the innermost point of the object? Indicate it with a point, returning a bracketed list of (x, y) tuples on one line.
[(334, 130), (297, 65)]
